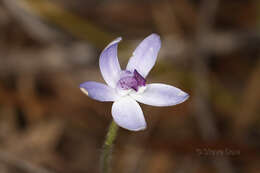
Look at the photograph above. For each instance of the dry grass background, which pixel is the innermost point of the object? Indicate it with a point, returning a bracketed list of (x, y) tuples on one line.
[(210, 49)]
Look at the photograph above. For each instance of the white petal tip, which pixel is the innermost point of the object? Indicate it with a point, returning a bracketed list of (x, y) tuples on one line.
[(84, 91), (139, 129), (155, 35), (182, 93), (154, 38), (135, 130), (117, 40), (184, 96)]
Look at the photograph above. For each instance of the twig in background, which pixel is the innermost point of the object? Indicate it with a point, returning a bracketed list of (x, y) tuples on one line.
[(250, 102), (203, 113), (23, 165), (34, 26)]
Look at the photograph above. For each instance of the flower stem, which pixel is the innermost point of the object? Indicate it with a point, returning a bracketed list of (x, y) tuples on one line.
[(107, 147)]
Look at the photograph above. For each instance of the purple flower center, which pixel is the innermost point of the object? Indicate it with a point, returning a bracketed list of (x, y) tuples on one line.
[(131, 80)]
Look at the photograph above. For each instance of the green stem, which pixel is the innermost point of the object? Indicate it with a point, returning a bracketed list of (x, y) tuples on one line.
[(107, 148)]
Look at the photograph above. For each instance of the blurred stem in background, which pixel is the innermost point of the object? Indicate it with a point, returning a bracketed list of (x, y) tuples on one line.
[(107, 148), (54, 13)]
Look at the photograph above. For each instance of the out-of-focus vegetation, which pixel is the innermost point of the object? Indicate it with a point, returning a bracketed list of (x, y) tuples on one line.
[(210, 49)]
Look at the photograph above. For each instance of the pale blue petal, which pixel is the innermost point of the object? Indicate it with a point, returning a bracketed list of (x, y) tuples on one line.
[(145, 55), (128, 114), (109, 65), (99, 91), (161, 95)]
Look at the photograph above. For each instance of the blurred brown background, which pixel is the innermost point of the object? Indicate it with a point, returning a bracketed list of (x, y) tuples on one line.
[(210, 49)]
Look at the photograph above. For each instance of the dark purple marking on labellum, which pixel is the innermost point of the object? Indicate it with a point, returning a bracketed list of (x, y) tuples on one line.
[(127, 83), (133, 81), (140, 80)]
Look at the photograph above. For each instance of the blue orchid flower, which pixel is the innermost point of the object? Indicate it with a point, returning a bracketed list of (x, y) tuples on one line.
[(126, 87)]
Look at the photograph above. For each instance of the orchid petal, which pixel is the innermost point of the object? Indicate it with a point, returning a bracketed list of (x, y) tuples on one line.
[(145, 55), (128, 114), (109, 65), (161, 95), (99, 91)]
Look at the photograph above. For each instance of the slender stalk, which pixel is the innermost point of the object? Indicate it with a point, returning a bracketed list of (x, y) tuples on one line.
[(107, 148)]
